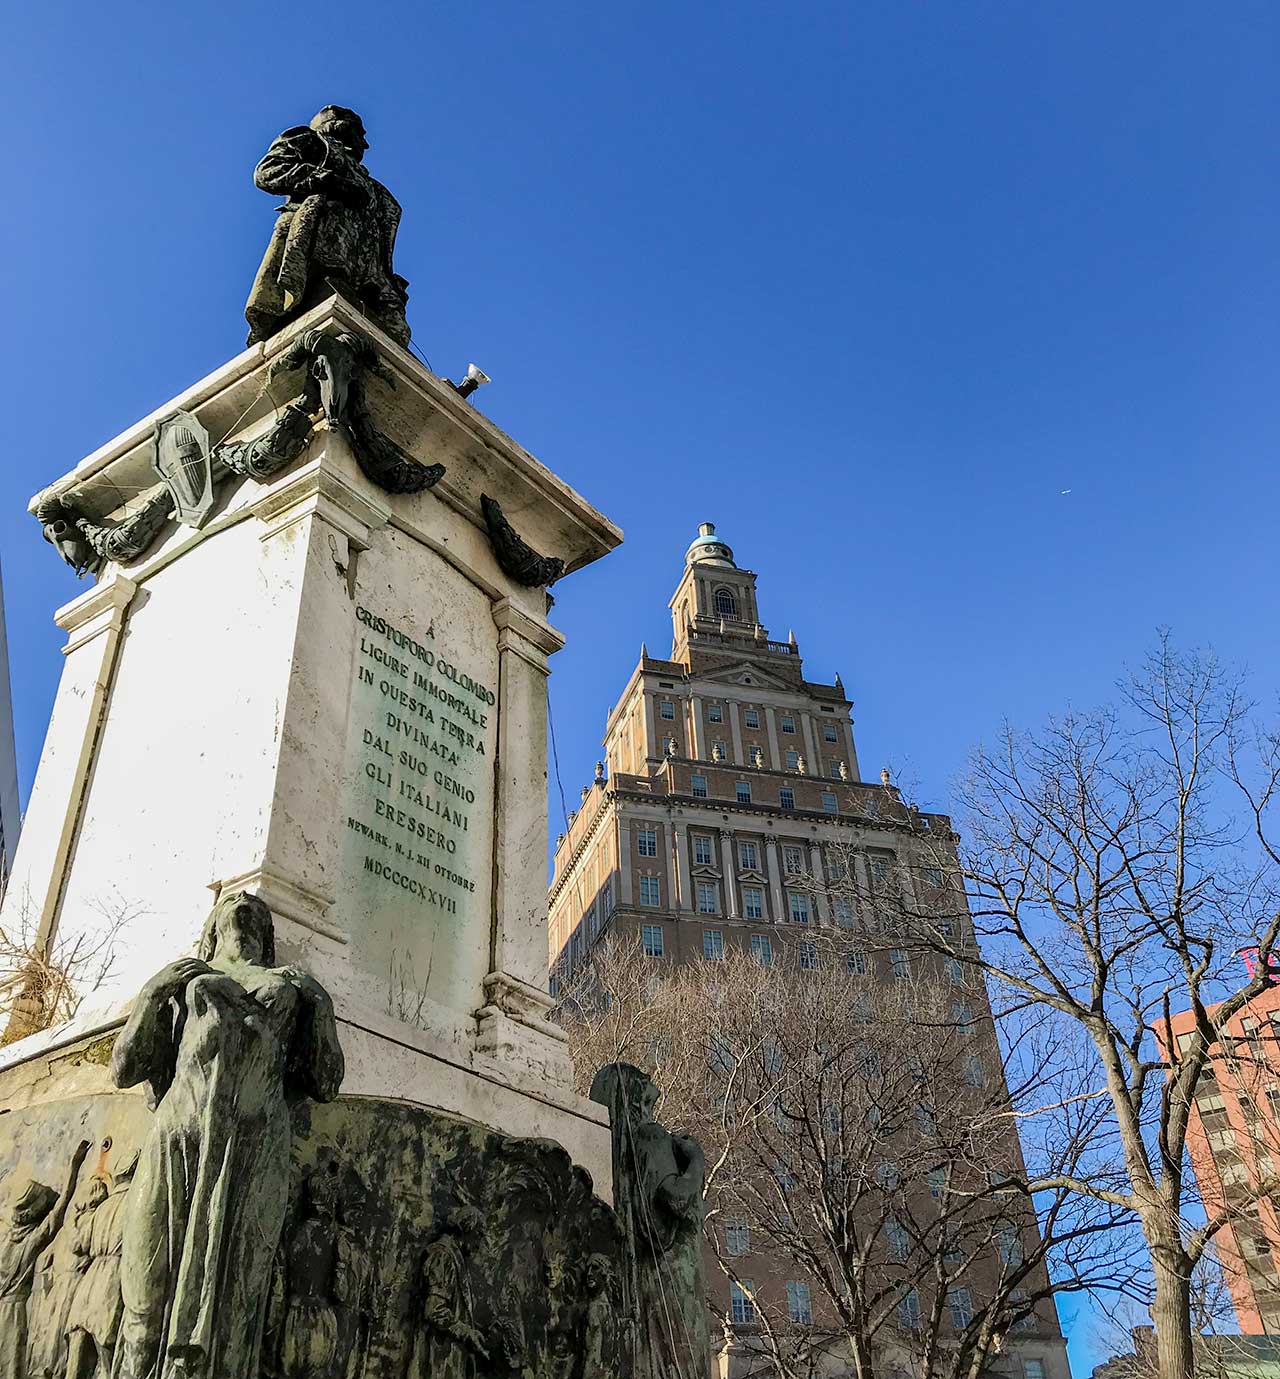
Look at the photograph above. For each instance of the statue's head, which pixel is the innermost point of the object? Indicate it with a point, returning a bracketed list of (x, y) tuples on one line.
[(343, 126), (30, 1203), (239, 928), (626, 1090), (465, 1220), (599, 1268)]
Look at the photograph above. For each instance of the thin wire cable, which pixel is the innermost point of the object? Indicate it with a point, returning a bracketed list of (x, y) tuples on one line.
[(555, 757), (420, 355)]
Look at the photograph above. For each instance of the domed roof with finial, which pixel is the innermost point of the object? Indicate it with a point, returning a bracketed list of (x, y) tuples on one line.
[(707, 548)]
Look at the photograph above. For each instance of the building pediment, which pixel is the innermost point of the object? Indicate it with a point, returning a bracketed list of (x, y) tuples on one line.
[(745, 673), (751, 874), (701, 869)]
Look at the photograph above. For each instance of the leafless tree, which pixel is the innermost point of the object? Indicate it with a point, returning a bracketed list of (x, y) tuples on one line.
[(855, 1135), (43, 983), (1115, 864)]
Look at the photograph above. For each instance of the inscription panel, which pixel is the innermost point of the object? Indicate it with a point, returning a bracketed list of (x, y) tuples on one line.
[(418, 807)]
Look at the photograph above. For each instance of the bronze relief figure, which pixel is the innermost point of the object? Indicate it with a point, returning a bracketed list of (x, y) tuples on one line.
[(227, 1041)]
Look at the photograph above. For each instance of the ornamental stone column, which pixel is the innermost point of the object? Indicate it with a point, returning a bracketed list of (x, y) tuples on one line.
[(775, 879), (515, 984), (730, 873)]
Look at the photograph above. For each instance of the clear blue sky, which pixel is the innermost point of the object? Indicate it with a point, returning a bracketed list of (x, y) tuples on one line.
[(867, 285)]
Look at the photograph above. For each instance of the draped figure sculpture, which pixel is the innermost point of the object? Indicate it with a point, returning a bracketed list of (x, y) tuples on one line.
[(227, 1042), (658, 1181)]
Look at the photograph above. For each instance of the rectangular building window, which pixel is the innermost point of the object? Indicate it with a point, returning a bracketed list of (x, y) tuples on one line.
[(829, 802), (880, 867), (856, 962), (703, 850), (1033, 1369), (899, 962), (873, 808), (787, 797), (742, 1311), (798, 906), (751, 717), (787, 723), (698, 786), (1009, 1243), (748, 857), (1025, 1320), (974, 1075), (809, 956), (793, 759), (708, 898), (909, 1312), (650, 892), (792, 859), (752, 902), (842, 909), (666, 709), (960, 1304), (937, 1183), (762, 949), (737, 1236), (887, 1175), (715, 714), (719, 752), (897, 1239), (963, 1016), (606, 897), (830, 733), (933, 877), (712, 945), (833, 770), (954, 969), (799, 1303), (647, 842), (743, 791), (651, 937)]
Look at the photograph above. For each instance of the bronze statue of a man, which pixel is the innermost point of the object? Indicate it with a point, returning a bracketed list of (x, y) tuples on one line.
[(336, 232)]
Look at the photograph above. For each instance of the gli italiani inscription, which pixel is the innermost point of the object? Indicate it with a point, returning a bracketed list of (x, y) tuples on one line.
[(420, 802)]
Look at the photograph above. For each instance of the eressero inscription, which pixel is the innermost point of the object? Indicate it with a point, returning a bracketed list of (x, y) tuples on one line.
[(421, 735)]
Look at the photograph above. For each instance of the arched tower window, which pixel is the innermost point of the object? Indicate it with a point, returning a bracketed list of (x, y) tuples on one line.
[(725, 603)]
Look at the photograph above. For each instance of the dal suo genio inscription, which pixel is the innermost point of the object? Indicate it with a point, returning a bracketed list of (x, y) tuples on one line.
[(421, 742)]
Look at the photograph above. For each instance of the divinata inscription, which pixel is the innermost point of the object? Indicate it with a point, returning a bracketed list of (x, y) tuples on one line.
[(420, 770)]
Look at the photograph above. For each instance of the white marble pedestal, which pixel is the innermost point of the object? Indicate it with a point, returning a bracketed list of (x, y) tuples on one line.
[(332, 696)]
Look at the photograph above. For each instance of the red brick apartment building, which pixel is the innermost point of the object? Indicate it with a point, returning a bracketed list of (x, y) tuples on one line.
[(1233, 1137)]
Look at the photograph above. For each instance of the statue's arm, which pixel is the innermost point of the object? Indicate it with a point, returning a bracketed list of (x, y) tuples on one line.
[(144, 1049), (42, 1238), (291, 162), (681, 1193), (318, 1062)]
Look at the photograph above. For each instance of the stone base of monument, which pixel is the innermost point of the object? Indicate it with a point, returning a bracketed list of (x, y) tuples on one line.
[(306, 688)]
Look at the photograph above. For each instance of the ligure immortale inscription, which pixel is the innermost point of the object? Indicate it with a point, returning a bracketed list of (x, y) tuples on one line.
[(421, 745)]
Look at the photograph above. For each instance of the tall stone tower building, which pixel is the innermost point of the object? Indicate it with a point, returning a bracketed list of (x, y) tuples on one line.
[(9, 815), (727, 779)]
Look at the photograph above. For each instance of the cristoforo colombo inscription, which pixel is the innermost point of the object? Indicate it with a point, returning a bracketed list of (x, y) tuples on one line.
[(421, 744)]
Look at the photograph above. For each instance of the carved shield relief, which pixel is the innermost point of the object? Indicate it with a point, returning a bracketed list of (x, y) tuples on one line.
[(183, 460)]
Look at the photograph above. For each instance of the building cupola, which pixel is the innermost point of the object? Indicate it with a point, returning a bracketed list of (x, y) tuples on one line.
[(708, 549)]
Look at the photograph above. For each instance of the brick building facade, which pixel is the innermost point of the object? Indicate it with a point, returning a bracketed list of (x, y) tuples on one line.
[(727, 776), (1233, 1140)]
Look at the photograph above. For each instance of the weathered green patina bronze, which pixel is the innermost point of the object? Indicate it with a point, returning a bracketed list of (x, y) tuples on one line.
[(335, 233), (658, 1182), (226, 1042)]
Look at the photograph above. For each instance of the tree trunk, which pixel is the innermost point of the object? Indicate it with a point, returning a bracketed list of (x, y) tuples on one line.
[(1171, 1312)]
